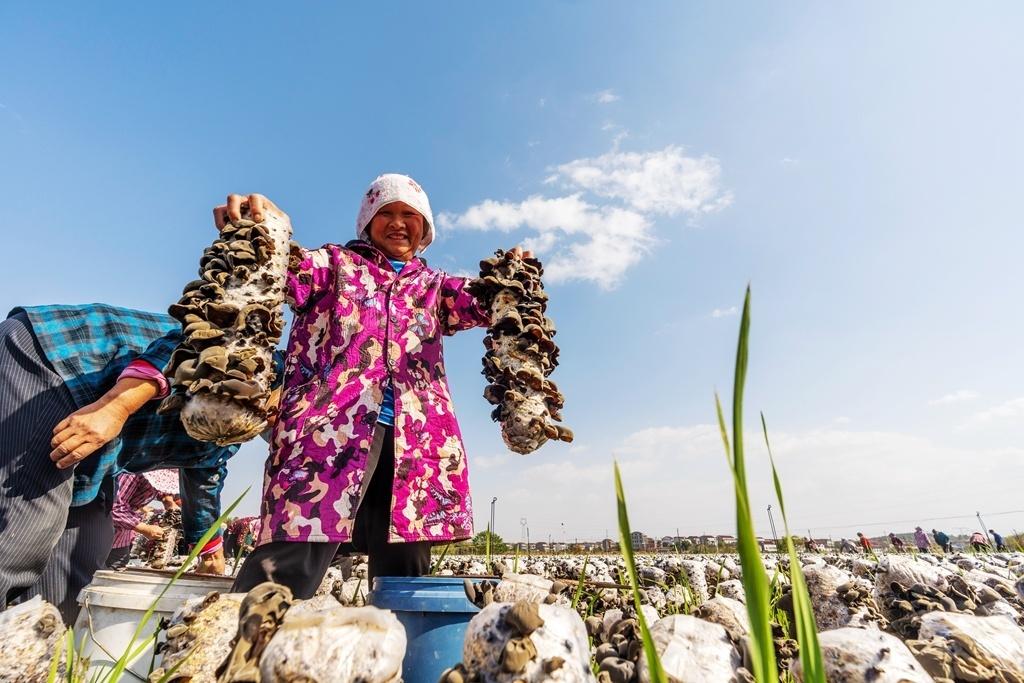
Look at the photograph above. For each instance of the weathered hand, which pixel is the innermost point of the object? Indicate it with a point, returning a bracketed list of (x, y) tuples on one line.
[(85, 431), (212, 563), (151, 531), (257, 204)]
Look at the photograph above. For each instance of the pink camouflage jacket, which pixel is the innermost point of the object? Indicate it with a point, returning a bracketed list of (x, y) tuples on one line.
[(356, 322)]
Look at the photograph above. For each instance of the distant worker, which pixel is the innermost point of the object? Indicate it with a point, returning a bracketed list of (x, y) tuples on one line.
[(897, 543), (921, 540), (942, 540), (979, 543), (865, 543), (240, 537), (998, 540), (846, 547), (811, 546), (134, 492)]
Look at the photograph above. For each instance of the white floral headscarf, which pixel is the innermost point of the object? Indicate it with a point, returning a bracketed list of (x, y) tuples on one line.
[(395, 187)]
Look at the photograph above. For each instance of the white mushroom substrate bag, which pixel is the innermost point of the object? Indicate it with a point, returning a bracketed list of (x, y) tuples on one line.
[(221, 374)]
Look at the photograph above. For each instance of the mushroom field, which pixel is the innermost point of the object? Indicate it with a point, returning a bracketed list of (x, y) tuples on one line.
[(894, 617)]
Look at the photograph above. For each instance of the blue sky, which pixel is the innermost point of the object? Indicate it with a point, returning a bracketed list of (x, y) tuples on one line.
[(858, 165)]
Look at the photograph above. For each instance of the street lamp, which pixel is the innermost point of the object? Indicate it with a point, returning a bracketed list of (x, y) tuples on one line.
[(491, 528)]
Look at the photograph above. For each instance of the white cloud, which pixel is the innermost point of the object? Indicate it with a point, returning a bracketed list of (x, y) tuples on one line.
[(542, 102), (836, 481), (1014, 408), (789, 161), (569, 214), (665, 181), (616, 238), (955, 397), (606, 97), (725, 312), (600, 238), (486, 462)]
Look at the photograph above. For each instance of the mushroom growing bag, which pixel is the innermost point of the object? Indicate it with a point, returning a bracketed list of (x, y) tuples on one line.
[(520, 353), (222, 372)]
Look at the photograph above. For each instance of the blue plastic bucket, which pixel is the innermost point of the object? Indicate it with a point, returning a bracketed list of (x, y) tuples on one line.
[(434, 611)]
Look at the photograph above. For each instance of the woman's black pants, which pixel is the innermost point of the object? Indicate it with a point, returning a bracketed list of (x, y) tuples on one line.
[(302, 566)]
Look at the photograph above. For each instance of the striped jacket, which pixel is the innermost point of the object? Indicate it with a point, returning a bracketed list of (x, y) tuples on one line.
[(89, 346)]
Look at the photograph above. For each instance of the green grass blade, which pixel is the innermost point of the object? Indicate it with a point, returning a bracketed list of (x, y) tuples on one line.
[(67, 650), (581, 582), (755, 577), (657, 673), (174, 669), (440, 559), (738, 382), (806, 626), (238, 558), (515, 563), (122, 662), (723, 430), (147, 643)]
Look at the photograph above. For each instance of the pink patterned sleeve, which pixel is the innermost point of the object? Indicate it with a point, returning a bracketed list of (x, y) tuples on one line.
[(133, 493), (140, 369), (460, 310), (310, 274)]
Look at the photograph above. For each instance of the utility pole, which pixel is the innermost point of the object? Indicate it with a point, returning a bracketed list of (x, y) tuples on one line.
[(984, 530), (775, 535)]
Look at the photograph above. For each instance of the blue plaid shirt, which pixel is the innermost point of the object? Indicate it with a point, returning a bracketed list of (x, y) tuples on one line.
[(89, 346)]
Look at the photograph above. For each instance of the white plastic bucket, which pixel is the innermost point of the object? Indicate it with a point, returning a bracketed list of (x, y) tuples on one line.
[(114, 603)]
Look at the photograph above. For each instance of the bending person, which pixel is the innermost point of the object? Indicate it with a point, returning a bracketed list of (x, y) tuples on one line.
[(75, 410), (134, 492)]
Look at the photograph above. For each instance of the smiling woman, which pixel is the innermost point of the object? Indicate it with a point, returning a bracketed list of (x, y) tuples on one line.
[(366, 454), (397, 230)]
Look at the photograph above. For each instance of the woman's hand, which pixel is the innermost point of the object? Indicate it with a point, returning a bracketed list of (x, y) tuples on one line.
[(150, 531), (88, 429), (272, 406), (85, 431), (257, 204), (213, 563), (518, 251)]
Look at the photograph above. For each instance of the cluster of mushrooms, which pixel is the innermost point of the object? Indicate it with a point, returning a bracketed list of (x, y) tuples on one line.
[(267, 635), (520, 352), (161, 552), (221, 374)]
